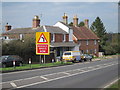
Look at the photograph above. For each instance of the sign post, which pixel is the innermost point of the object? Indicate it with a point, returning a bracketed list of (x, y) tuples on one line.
[(14, 64), (42, 43), (30, 62)]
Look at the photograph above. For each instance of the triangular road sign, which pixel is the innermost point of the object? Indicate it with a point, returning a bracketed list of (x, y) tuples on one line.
[(42, 39)]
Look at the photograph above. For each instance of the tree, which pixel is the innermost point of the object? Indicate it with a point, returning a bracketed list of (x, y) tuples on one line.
[(99, 29), (81, 24), (71, 24), (24, 49)]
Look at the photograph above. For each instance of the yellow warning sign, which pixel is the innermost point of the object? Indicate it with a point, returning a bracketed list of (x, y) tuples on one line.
[(42, 43)]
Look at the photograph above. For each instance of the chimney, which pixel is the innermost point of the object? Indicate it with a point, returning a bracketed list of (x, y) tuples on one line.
[(75, 21), (36, 21), (86, 22), (7, 27), (65, 18)]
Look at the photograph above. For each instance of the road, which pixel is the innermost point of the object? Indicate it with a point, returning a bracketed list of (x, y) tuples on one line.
[(96, 74)]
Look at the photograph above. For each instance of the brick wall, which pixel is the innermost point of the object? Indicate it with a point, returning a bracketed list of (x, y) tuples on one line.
[(67, 37), (58, 37), (90, 47)]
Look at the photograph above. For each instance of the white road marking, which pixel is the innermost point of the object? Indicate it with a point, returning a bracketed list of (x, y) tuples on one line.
[(13, 84), (112, 83), (66, 73), (43, 77), (57, 73), (61, 77), (39, 69)]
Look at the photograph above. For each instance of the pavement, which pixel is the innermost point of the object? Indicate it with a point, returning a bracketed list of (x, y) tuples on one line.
[(96, 74)]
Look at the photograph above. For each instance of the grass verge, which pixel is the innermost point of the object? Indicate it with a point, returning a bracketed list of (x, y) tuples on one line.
[(32, 66), (115, 86)]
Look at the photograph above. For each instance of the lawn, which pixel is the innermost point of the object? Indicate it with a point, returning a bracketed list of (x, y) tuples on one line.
[(28, 66)]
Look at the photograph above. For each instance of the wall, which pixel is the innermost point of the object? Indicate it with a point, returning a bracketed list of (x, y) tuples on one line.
[(65, 28), (58, 37), (90, 47)]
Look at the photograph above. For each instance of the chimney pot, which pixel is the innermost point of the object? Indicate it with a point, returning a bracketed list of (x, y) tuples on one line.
[(8, 27), (36, 21), (75, 21), (86, 22), (65, 18)]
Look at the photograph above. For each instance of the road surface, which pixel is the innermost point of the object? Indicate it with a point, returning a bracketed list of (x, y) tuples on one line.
[(96, 74)]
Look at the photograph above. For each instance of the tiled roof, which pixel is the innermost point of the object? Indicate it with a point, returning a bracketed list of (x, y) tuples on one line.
[(23, 30), (83, 33), (54, 29), (51, 29)]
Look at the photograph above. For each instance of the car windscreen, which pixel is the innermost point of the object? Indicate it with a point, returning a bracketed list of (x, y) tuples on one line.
[(67, 53), (3, 58)]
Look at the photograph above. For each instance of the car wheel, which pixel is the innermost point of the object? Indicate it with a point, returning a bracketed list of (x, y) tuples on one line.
[(84, 60), (20, 64), (4, 65), (90, 59)]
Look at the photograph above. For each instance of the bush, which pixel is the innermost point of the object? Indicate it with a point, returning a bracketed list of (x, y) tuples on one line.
[(24, 49)]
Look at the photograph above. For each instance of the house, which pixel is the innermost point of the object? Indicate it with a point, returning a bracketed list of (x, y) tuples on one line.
[(62, 36), (60, 40), (85, 39)]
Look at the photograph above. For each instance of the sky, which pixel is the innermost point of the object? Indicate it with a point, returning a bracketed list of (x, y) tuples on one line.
[(20, 14)]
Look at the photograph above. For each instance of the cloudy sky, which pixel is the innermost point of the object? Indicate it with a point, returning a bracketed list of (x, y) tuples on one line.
[(20, 14)]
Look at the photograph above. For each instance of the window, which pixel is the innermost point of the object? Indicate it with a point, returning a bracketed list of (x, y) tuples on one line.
[(95, 51), (64, 37), (52, 37), (67, 53), (21, 36), (95, 42), (91, 51), (82, 51), (87, 42), (86, 51)]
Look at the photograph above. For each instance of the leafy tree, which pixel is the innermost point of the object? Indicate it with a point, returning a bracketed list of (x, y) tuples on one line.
[(99, 29), (24, 49), (81, 24), (71, 24)]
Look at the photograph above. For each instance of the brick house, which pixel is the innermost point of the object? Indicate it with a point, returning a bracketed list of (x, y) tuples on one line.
[(62, 36), (85, 39), (60, 40)]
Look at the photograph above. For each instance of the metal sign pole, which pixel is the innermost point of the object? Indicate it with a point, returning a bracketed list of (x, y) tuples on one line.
[(40, 59), (44, 59)]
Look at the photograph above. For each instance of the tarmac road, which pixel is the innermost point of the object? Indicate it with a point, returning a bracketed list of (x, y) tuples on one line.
[(96, 74)]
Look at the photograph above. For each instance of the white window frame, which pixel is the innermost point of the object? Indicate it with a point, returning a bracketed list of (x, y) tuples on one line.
[(21, 36), (53, 37), (95, 42), (95, 51), (64, 37), (87, 42), (87, 51)]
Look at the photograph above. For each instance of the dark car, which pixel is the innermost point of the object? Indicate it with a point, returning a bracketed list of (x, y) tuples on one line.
[(7, 60), (87, 57)]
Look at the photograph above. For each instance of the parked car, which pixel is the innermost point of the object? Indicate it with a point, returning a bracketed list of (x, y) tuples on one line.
[(7, 60), (87, 57)]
